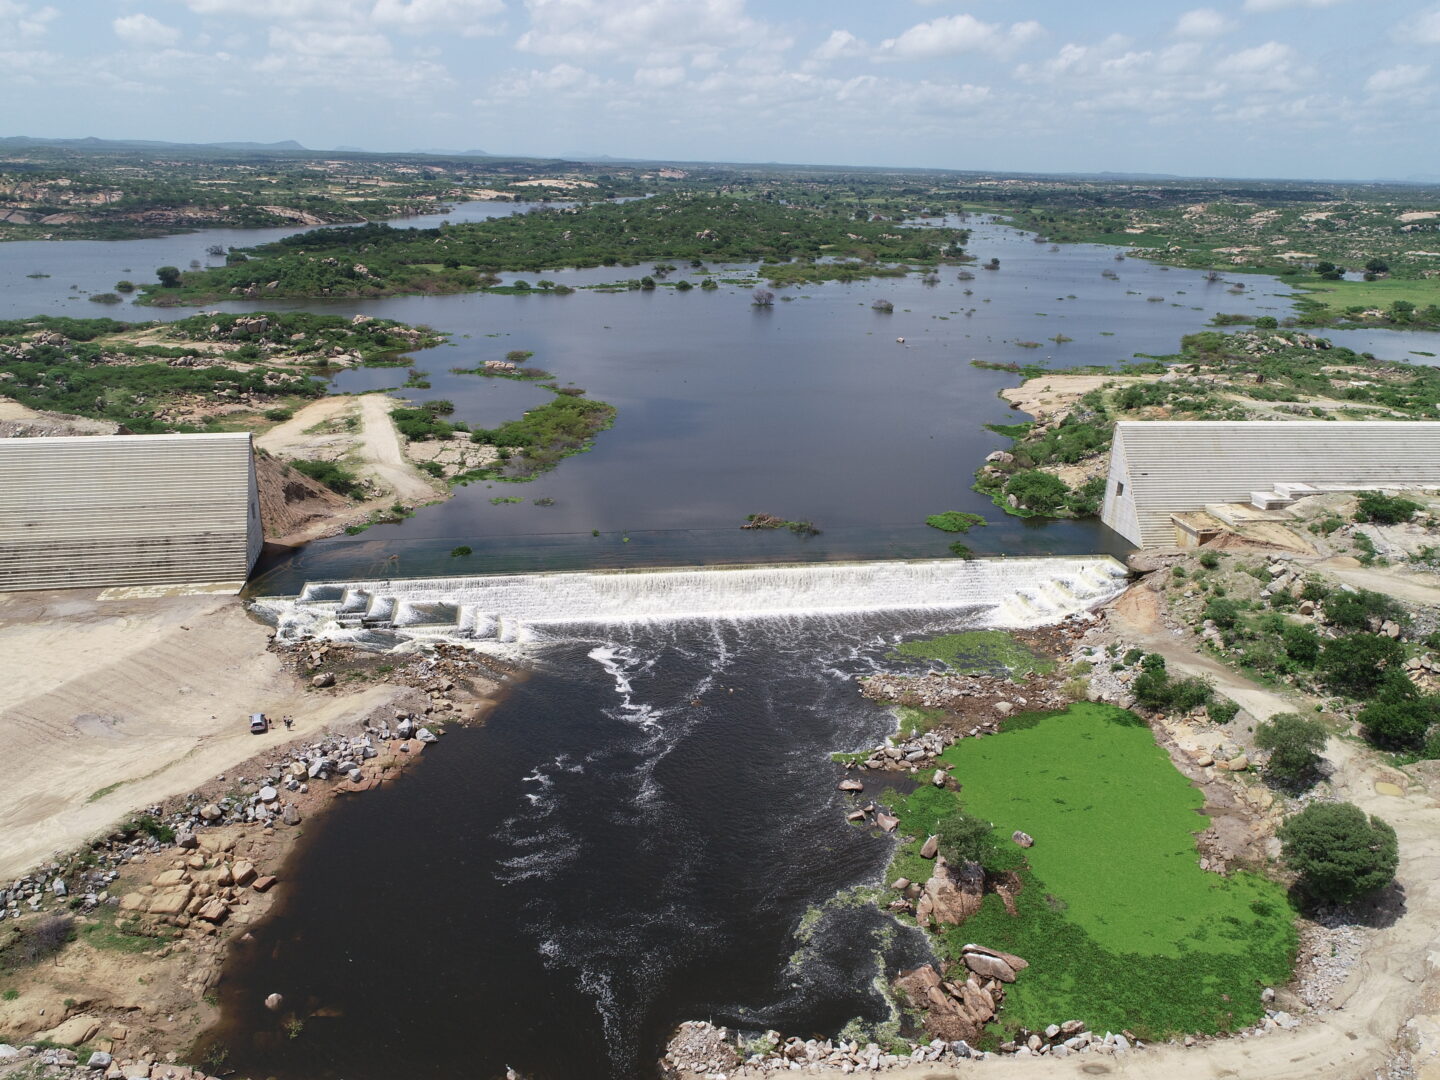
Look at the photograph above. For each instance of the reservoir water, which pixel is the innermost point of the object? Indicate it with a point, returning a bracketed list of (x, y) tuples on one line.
[(811, 409)]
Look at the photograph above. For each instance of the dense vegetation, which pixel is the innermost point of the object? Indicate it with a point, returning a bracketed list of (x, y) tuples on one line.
[(1161, 949), (377, 260), (149, 377)]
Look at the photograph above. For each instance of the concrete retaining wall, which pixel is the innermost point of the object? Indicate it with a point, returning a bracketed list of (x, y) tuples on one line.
[(95, 511)]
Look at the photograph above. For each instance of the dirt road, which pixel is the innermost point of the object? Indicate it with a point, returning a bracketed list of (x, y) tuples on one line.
[(112, 705), (383, 451), (374, 448)]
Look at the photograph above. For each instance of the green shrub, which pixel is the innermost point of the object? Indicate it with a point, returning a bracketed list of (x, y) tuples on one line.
[(1357, 665), (1222, 710), (962, 551), (1337, 852), (1302, 644), (278, 414), (1400, 723), (1356, 610), (1191, 693), (1294, 744), (954, 521), (1209, 559), (1152, 689), (1037, 491), (460, 552), (1384, 509), (1223, 613), (333, 475), (967, 838)]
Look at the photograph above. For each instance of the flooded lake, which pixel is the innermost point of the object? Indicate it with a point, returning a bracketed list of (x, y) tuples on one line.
[(812, 409)]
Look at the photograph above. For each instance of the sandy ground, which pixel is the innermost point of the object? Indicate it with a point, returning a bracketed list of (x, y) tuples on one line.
[(114, 704), (1409, 587), (384, 452), (376, 448), (1048, 397)]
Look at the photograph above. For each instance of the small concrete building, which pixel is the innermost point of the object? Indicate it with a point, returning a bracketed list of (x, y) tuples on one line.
[(1162, 470), (104, 510)]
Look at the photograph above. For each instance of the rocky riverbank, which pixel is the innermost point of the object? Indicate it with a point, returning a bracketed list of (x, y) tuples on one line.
[(111, 952)]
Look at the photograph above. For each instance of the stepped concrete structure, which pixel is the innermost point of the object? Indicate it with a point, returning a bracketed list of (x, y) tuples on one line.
[(523, 607), (108, 510), (1162, 468)]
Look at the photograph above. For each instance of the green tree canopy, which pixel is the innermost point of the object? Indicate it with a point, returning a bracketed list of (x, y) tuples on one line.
[(1338, 853)]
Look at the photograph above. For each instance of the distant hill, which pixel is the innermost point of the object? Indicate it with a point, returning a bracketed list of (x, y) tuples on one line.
[(441, 152), (92, 143)]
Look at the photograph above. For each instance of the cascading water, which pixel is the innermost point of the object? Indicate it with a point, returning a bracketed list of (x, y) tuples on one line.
[(1017, 592)]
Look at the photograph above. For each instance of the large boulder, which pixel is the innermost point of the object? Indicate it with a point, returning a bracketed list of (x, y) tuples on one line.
[(73, 1032), (1010, 958), (945, 1017), (991, 967), (952, 894)]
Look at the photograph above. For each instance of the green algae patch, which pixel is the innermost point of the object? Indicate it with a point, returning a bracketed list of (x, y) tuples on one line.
[(1121, 926), (976, 652)]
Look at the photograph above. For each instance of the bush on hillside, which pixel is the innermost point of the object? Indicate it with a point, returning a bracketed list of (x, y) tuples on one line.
[(1357, 665), (1339, 853), (1395, 722), (1294, 744), (1384, 509)]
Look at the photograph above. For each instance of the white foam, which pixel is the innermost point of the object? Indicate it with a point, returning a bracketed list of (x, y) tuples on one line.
[(516, 608)]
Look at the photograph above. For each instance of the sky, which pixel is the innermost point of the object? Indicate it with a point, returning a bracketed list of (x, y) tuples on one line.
[(1242, 88)]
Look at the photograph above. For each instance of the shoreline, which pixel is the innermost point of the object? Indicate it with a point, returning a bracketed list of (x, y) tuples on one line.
[(176, 888)]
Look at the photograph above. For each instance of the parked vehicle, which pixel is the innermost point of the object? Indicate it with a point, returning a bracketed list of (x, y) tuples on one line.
[(258, 723)]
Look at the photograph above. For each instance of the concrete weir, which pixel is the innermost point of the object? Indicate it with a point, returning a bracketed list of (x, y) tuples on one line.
[(1010, 593)]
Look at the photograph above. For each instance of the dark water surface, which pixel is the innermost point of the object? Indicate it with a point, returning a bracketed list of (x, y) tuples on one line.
[(604, 858)]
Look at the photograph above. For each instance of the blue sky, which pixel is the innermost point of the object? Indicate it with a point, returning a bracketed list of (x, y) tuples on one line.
[(1299, 88)]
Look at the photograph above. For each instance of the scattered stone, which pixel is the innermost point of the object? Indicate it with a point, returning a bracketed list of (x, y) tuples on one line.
[(930, 848), (850, 785), (275, 1002), (887, 822), (324, 679), (1024, 839)]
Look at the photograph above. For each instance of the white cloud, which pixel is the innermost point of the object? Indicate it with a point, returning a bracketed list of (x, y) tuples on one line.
[(1395, 79), (838, 46), (320, 41), (469, 16), (141, 31), (1202, 23), (659, 76), (951, 35), (1425, 30), (1280, 5), (22, 22), (1271, 66), (658, 32)]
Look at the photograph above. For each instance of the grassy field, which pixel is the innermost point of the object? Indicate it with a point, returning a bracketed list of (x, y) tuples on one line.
[(1339, 295), (976, 652), (1121, 926)]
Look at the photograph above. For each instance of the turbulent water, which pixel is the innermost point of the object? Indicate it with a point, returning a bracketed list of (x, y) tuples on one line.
[(645, 831), (633, 839)]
